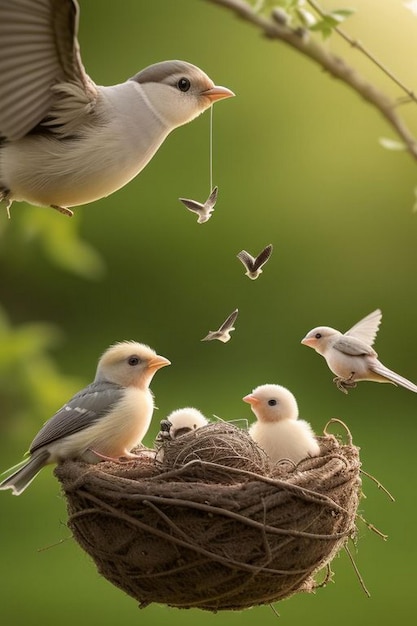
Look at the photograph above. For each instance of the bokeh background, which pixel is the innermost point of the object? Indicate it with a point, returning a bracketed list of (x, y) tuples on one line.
[(298, 164)]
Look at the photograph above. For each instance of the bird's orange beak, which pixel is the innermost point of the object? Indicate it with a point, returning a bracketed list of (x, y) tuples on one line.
[(157, 362), (308, 341), (250, 399), (217, 93)]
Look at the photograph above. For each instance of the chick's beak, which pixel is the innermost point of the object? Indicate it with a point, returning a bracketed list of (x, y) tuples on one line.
[(308, 341), (157, 362), (250, 399), (217, 93)]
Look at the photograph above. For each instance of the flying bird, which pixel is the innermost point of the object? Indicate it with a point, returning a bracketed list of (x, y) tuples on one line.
[(252, 264), (223, 333), (65, 140), (205, 210), (277, 429), (103, 421), (350, 355)]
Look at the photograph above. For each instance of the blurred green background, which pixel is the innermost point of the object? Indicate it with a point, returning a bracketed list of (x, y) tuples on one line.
[(298, 164)]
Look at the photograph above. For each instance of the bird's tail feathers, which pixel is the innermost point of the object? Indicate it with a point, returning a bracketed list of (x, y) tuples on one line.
[(22, 478), (393, 377)]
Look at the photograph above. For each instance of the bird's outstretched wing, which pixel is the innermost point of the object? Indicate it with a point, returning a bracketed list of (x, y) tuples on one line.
[(263, 256), (247, 260), (367, 328), (228, 323), (38, 50)]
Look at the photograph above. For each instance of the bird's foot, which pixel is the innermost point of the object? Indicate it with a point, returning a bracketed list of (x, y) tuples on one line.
[(104, 457), (5, 197), (343, 384), (62, 209)]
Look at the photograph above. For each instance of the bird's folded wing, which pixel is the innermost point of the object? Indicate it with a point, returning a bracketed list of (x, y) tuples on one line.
[(85, 408), (38, 49), (353, 347), (367, 328)]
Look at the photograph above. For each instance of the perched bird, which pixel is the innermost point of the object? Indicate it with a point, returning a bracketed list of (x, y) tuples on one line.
[(350, 355), (252, 264), (205, 210), (103, 421), (65, 140), (277, 429), (223, 333), (182, 421)]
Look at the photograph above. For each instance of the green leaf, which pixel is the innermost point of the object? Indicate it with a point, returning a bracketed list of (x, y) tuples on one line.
[(392, 144), (306, 18), (330, 21)]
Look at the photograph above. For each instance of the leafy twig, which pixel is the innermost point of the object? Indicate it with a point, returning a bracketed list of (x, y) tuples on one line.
[(299, 39), (359, 46)]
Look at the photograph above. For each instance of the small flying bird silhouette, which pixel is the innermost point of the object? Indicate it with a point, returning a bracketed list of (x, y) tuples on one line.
[(223, 334), (252, 264), (205, 210)]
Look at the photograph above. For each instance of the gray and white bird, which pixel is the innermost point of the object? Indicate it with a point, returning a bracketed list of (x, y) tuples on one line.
[(103, 421), (277, 429), (183, 421), (66, 141), (350, 355), (203, 210), (223, 333), (252, 264)]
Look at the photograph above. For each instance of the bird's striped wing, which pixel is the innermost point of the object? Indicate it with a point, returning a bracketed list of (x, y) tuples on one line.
[(263, 257), (85, 408), (212, 199), (38, 49)]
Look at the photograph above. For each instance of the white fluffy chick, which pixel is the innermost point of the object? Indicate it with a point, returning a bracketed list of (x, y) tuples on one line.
[(184, 421), (278, 430)]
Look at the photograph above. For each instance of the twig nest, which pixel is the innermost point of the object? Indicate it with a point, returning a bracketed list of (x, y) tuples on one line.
[(213, 526), (221, 446)]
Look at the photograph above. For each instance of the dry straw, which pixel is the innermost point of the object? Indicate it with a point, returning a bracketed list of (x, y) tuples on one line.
[(213, 526)]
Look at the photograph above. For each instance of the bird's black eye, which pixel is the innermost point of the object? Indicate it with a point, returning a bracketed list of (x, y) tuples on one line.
[(317, 335), (133, 360), (272, 402), (183, 84)]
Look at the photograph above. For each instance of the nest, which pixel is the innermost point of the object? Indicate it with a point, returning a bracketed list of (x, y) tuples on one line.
[(214, 526)]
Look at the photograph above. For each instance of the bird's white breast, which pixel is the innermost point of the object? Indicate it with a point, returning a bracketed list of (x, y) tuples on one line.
[(123, 136)]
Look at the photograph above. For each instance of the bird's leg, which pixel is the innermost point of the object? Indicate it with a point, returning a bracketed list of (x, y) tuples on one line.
[(62, 209), (103, 456), (343, 384), (5, 197)]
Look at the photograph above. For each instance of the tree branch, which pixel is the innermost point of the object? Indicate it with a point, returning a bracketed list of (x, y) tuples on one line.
[(300, 40)]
